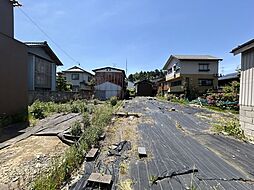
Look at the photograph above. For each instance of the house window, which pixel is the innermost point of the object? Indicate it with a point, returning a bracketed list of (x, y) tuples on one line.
[(42, 74), (75, 76), (205, 82), (176, 83), (170, 70), (204, 67)]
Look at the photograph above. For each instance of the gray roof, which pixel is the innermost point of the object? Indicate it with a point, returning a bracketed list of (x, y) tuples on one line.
[(192, 58), (47, 49), (244, 47), (76, 69), (196, 57), (229, 76)]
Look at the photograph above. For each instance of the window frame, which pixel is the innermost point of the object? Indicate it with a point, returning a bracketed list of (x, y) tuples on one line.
[(203, 67), (210, 83), (74, 74)]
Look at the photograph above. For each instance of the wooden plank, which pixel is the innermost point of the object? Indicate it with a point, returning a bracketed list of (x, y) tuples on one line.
[(142, 151), (100, 178), (92, 153)]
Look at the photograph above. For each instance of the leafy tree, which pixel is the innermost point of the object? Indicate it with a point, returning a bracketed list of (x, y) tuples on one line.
[(61, 84), (146, 75)]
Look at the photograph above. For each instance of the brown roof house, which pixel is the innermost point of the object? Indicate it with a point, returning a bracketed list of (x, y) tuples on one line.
[(42, 63), (13, 65), (246, 100), (78, 78), (109, 82), (191, 75), (144, 88)]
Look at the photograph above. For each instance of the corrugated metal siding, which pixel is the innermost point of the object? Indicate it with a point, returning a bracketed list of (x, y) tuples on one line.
[(247, 79)]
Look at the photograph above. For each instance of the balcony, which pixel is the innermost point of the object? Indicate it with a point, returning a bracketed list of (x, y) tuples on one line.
[(172, 76), (173, 89)]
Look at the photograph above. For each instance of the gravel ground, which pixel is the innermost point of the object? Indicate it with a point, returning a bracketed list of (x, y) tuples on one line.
[(184, 154)]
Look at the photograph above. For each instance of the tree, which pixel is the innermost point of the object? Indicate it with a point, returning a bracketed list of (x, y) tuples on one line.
[(131, 78), (61, 84)]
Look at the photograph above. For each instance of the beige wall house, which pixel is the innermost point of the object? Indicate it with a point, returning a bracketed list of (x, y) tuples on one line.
[(191, 75), (78, 78), (13, 65), (42, 63), (246, 86)]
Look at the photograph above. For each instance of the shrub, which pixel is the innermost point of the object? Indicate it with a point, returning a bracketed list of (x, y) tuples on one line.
[(113, 101), (231, 127), (76, 129), (38, 110), (86, 119)]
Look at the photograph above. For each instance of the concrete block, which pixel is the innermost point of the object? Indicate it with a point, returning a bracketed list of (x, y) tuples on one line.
[(246, 119), (242, 112), (246, 108), (248, 126), (249, 114)]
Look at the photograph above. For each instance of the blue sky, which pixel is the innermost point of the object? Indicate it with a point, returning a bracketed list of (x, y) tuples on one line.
[(100, 33)]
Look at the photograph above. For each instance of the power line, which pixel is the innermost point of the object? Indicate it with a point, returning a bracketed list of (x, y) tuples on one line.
[(42, 31)]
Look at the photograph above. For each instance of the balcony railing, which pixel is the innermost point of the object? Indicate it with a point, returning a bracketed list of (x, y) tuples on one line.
[(176, 89), (172, 76)]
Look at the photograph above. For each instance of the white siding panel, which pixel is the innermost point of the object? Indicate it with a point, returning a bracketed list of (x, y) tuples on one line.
[(247, 79)]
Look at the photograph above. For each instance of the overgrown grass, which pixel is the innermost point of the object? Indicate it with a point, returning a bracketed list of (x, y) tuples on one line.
[(219, 109), (62, 168), (40, 110), (125, 185), (231, 127)]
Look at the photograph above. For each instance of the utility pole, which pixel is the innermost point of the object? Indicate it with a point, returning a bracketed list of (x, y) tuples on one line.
[(126, 66)]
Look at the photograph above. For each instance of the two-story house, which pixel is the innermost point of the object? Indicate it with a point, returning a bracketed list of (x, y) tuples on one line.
[(42, 63), (191, 75), (13, 65), (78, 78), (109, 82)]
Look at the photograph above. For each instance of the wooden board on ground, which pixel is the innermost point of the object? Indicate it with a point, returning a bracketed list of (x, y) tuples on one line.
[(100, 178), (92, 153)]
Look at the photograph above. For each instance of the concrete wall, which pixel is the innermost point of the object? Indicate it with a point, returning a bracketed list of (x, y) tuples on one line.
[(55, 96), (6, 18), (14, 74), (247, 93)]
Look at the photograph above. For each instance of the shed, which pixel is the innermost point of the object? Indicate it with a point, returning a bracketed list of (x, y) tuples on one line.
[(246, 100), (144, 88), (107, 90)]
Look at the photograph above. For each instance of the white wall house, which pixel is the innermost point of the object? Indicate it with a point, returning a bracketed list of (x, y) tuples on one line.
[(42, 63), (246, 86), (78, 78)]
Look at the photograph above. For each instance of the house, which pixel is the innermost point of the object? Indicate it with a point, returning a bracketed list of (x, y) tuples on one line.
[(144, 88), (162, 87), (42, 63), (109, 82), (13, 65), (78, 78), (228, 78), (191, 75), (246, 99)]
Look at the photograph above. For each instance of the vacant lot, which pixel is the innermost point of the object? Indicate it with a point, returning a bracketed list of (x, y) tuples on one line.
[(183, 152)]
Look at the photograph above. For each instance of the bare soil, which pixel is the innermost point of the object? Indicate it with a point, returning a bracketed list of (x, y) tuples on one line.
[(22, 162)]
